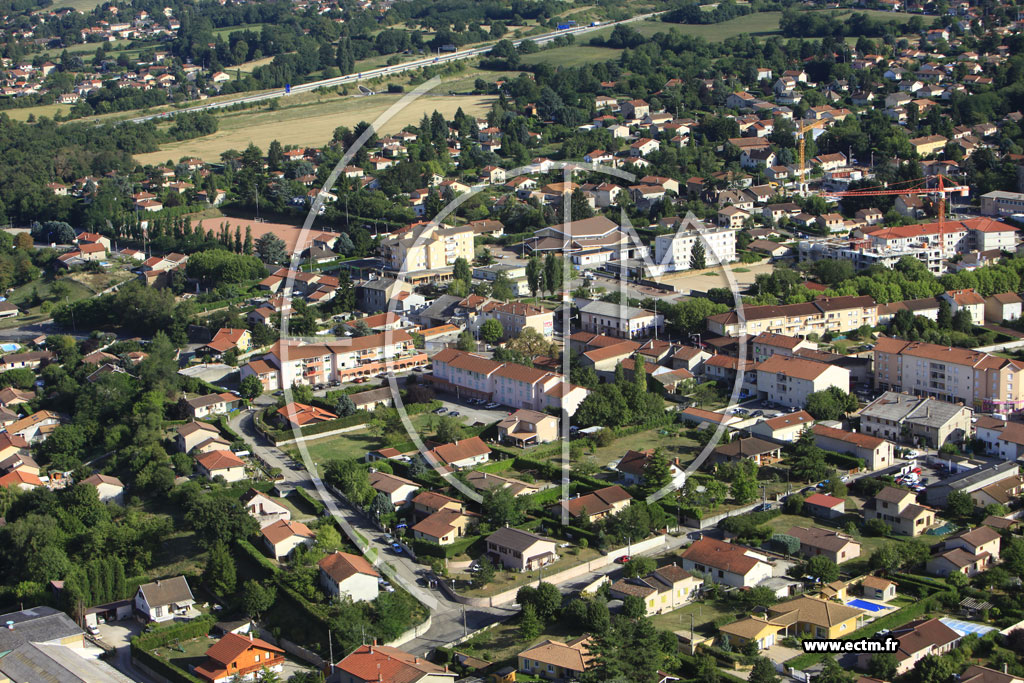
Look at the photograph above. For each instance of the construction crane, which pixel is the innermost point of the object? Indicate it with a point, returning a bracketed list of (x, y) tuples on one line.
[(920, 186), (801, 129)]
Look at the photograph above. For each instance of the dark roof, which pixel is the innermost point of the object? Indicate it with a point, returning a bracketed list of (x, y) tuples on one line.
[(515, 539), (33, 662), (748, 446), (167, 592), (35, 625)]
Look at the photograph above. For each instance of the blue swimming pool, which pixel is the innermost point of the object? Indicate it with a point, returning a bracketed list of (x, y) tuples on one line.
[(865, 605)]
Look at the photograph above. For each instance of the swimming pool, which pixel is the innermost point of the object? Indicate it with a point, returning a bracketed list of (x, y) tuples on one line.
[(965, 627), (865, 605)]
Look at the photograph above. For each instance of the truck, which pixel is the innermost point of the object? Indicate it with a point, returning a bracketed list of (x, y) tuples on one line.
[(566, 25)]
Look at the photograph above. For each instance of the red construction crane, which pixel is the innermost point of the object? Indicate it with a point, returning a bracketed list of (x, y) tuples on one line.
[(919, 187)]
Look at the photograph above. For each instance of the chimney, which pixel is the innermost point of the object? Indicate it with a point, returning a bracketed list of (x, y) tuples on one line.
[(250, 635)]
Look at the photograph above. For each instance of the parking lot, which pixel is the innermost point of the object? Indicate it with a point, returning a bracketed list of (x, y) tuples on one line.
[(472, 413)]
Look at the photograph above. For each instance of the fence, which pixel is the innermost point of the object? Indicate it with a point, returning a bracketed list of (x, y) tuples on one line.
[(414, 632)]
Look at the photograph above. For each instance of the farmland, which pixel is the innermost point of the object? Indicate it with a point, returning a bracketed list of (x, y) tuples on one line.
[(309, 124)]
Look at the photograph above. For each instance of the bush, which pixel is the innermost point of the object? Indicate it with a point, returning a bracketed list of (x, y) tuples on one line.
[(161, 667)]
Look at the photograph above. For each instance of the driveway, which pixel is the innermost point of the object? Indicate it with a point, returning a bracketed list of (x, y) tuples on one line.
[(118, 635)]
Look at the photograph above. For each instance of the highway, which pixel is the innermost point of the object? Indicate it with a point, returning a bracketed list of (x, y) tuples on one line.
[(384, 70)]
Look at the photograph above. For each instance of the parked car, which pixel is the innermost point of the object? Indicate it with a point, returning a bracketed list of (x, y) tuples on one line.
[(454, 413), (397, 548), (401, 525), (94, 631), (763, 507), (623, 559), (440, 411), (491, 406)]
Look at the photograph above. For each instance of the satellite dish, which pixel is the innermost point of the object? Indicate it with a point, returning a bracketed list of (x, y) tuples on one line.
[(702, 488)]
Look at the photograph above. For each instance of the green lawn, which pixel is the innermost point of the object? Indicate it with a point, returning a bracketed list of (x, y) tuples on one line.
[(355, 444), (704, 614), (671, 440), (573, 55), (225, 32), (504, 642)]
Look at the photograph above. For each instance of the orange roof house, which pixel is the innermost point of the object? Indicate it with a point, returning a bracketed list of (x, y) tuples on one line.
[(235, 655)]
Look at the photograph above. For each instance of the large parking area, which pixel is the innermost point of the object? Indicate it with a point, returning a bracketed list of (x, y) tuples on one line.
[(471, 411)]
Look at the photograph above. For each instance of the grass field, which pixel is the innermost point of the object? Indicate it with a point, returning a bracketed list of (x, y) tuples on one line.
[(225, 32), (353, 445), (674, 443), (80, 5), (573, 55), (311, 124), (704, 614)]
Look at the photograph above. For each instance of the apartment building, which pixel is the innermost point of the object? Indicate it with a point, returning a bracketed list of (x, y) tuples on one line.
[(999, 203), (431, 246), (985, 382), (673, 252), (289, 363), (835, 314), (768, 344), (905, 418), (789, 381), (510, 384), (516, 317), (615, 320), (952, 237), (862, 254)]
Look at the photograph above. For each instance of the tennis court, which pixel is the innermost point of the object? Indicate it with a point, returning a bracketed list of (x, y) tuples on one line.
[(965, 627)]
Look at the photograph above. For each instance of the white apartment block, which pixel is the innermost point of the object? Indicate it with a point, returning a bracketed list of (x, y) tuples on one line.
[(788, 381), (673, 252)]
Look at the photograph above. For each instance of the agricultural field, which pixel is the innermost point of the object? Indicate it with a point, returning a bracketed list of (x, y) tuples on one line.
[(572, 55), (311, 124)]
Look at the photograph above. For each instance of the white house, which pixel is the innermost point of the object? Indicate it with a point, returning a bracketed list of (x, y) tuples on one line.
[(221, 463), (162, 599), (264, 509), (351, 575), (726, 563), (282, 537), (109, 489)]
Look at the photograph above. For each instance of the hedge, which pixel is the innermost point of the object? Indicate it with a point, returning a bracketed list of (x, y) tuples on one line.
[(200, 626), (161, 667), (222, 424), (317, 505), (256, 556), (843, 461)]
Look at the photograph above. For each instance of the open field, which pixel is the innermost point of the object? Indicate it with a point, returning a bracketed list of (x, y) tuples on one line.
[(80, 5), (228, 30), (248, 67), (704, 614), (48, 110), (758, 24), (672, 441), (573, 55), (310, 124)]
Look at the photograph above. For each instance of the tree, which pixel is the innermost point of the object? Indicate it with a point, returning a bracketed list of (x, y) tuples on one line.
[(633, 607), (763, 672), (501, 507), (657, 474), (502, 288), (831, 404), (466, 341), (250, 387), (492, 330), (962, 321), (640, 566), (258, 598), (935, 669), (485, 572), (707, 669), (535, 274), (553, 272), (883, 665), (271, 249), (345, 406), (822, 568), (529, 623), (462, 270), (220, 571), (831, 672), (960, 503), (945, 316), (744, 486), (449, 430), (698, 257)]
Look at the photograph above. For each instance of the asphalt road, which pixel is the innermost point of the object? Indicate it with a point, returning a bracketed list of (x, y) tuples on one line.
[(384, 71)]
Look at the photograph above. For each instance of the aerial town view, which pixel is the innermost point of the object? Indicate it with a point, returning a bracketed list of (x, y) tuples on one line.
[(495, 341)]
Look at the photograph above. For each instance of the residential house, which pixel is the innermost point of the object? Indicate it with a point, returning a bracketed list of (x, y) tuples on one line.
[(917, 640), (36, 427), (1003, 492), (344, 574), (382, 664), (557, 661), (897, 509), (726, 563), (824, 506), (199, 435), (876, 453), (298, 415), (803, 616), (758, 451), (528, 428), (633, 464), (443, 527), (264, 509), (627, 322), (220, 463), (108, 489), (464, 453), (283, 536), (237, 657), (211, 404), (162, 599), (520, 550), (832, 544), (485, 481), (596, 505), (663, 590), (784, 428), (399, 490)]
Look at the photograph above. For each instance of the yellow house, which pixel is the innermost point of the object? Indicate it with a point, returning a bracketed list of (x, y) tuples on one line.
[(751, 629), (808, 616)]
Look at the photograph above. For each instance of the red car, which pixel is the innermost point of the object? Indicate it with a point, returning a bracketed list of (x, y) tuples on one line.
[(623, 560)]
